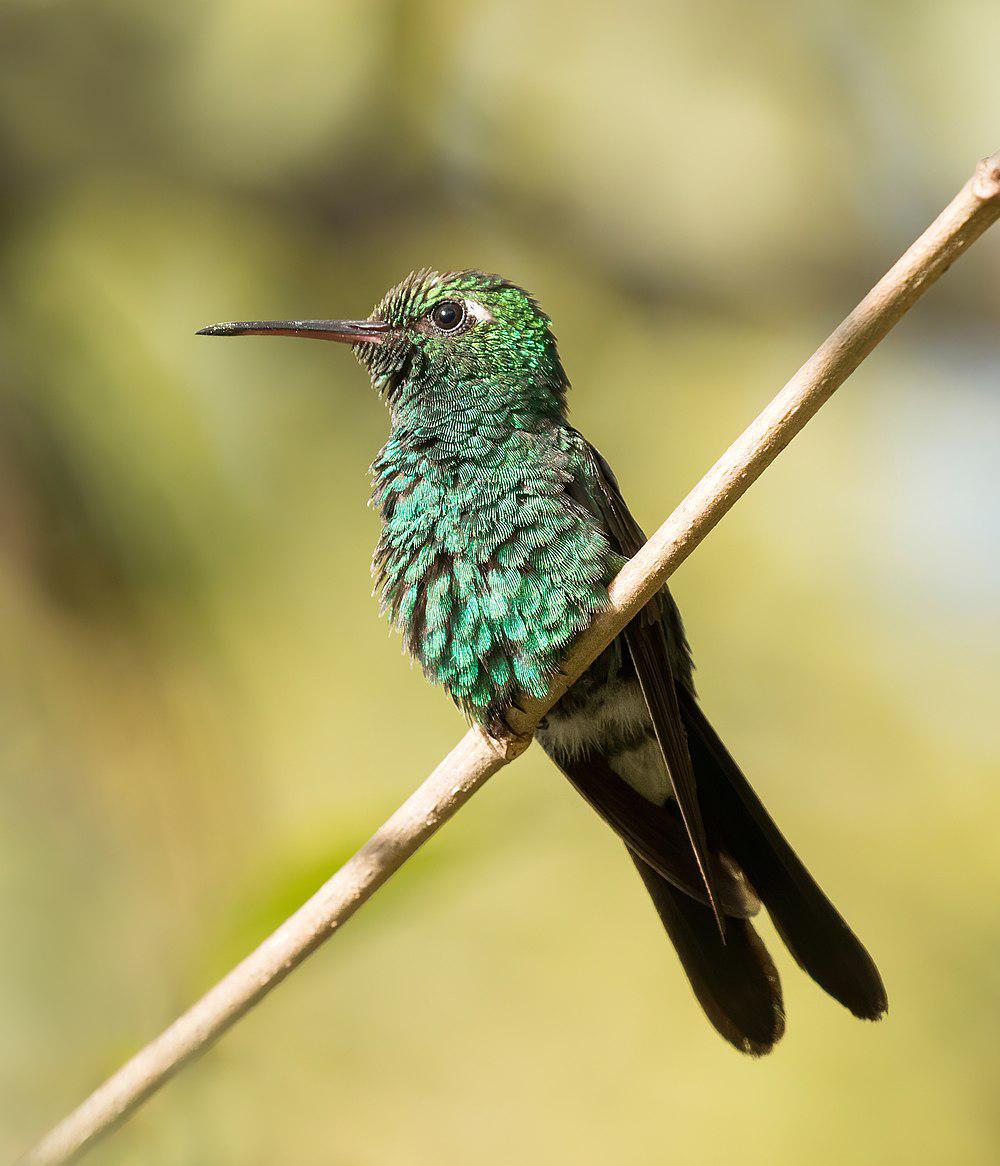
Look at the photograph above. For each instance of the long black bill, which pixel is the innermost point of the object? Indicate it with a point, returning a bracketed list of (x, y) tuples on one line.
[(343, 331)]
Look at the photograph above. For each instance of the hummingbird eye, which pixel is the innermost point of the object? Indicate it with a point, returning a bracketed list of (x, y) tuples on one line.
[(448, 316)]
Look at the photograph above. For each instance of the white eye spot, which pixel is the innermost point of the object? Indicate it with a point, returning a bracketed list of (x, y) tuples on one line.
[(478, 313)]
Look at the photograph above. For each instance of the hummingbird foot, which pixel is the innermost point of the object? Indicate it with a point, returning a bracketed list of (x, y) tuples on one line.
[(505, 744)]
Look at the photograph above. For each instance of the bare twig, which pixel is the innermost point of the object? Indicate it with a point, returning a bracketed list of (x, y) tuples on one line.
[(477, 757)]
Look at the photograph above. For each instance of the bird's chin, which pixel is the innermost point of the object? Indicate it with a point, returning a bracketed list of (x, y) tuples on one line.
[(387, 365)]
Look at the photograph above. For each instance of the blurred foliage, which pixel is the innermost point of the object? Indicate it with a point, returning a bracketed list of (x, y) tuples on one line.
[(200, 713)]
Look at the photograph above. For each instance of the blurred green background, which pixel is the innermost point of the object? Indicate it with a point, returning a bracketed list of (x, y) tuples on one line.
[(201, 714)]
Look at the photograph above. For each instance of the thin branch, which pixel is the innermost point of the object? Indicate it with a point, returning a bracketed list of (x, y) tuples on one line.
[(477, 757)]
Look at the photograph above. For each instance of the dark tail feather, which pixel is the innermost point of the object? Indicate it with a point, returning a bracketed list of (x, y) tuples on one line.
[(735, 981), (816, 935)]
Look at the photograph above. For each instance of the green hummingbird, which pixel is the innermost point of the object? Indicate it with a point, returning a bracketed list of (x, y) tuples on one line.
[(501, 529)]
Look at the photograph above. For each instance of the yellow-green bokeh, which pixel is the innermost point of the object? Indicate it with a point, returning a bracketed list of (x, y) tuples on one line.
[(201, 714)]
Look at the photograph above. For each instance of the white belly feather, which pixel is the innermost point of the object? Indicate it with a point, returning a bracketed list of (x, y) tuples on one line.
[(613, 714)]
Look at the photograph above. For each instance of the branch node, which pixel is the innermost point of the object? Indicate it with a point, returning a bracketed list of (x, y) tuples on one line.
[(986, 182)]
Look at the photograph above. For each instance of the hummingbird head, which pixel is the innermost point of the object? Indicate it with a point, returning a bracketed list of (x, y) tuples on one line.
[(441, 343)]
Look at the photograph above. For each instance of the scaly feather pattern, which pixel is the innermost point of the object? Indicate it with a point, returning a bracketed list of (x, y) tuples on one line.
[(485, 564)]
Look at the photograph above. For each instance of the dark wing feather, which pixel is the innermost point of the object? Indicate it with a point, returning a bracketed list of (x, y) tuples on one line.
[(655, 836), (647, 644)]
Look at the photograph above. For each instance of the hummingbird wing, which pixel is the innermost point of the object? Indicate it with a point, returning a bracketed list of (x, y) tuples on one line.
[(646, 638), (655, 836)]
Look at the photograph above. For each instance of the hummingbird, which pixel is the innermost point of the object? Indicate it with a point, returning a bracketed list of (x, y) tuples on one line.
[(501, 529)]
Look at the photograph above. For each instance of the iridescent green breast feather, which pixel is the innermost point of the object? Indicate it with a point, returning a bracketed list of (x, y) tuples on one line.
[(486, 565)]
